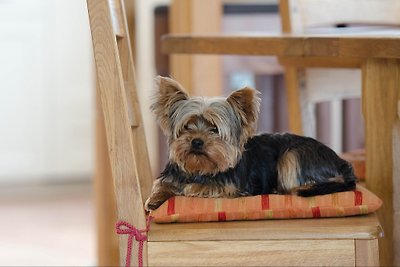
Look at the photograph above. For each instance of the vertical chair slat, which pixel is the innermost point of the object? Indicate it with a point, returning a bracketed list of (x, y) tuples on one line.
[(116, 17), (126, 144), (139, 140)]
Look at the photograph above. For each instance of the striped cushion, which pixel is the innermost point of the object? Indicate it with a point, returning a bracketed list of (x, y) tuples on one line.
[(192, 209)]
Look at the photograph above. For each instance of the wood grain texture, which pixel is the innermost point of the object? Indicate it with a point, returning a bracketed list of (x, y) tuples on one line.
[(381, 92), (294, 74), (396, 188), (296, 16), (380, 67), (284, 14), (126, 143), (313, 46), (253, 253), (358, 227), (107, 240), (130, 9), (106, 207), (116, 17), (321, 62), (180, 22), (293, 87), (200, 75), (132, 180), (367, 252)]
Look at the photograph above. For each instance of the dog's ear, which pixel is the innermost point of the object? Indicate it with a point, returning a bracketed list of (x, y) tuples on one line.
[(246, 103), (169, 94)]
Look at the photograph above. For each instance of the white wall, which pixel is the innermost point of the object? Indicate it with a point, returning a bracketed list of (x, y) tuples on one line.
[(46, 90)]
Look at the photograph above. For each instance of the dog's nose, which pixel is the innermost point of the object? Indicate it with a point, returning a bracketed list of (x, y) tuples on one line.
[(197, 143)]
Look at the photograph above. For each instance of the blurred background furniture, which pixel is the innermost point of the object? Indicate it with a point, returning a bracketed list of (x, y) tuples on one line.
[(378, 137), (340, 87), (380, 76), (316, 84)]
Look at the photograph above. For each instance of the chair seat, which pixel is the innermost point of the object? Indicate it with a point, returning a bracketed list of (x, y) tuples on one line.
[(357, 227), (303, 242)]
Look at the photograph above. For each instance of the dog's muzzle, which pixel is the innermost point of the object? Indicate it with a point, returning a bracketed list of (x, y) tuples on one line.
[(197, 144)]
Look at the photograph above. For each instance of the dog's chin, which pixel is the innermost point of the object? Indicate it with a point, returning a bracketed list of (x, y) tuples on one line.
[(198, 152), (199, 162)]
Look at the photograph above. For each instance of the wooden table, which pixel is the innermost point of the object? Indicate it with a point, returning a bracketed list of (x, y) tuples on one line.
[(379, 60)]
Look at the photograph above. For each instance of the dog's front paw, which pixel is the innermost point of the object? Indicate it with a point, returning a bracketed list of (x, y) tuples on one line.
[(207, 190), (152, 203), (159, 194)]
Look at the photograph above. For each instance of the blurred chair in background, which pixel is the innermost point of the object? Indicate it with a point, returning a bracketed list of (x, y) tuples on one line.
[(308, 84)]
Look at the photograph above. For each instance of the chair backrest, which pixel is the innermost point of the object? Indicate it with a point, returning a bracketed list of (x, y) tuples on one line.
[(339, 17), (123, 121), (334, 85), (396, 185), (300, 16)]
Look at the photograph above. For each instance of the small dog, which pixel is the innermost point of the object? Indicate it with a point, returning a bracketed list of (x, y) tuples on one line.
[(213, 153)]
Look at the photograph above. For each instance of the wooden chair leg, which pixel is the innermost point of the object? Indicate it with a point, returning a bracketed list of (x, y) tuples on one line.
[(293, 99), (396, 188), (107, 240), (380, 75), (367, 252)]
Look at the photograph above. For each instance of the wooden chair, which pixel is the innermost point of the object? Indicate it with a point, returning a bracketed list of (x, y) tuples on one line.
[(337, 241), (396, 187), (309, 83)]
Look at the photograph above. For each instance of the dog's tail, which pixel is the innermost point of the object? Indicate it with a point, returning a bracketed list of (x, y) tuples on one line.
[(346, 182)]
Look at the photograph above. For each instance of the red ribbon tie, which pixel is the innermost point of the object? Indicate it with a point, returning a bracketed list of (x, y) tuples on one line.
[(125, 228)]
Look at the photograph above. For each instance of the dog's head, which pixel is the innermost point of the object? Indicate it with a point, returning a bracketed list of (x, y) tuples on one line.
[(206, 136)]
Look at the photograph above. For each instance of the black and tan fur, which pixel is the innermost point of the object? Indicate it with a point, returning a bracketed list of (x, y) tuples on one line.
[(213, 151)]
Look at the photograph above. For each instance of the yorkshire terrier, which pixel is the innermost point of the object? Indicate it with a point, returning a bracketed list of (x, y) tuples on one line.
[(213, 151)]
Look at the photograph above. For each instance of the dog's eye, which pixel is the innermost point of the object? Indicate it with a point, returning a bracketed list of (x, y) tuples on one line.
[(186, 127), (214, 130)]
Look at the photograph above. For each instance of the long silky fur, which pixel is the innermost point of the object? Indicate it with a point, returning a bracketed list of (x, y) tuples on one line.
[(232, 161), (257, 173)]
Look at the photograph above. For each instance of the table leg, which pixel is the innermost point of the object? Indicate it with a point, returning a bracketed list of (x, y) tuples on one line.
[(292, 75), (381, 91), (199, 74)]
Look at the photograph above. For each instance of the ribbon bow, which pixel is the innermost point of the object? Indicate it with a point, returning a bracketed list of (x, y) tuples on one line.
[(125, 228)]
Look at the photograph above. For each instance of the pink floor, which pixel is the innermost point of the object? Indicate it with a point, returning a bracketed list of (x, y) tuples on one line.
[(47, 226)]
